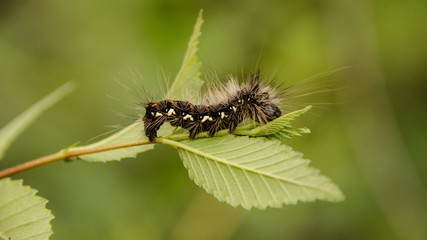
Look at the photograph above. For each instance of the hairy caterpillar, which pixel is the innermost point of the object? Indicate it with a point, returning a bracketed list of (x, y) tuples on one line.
[(228, 105)]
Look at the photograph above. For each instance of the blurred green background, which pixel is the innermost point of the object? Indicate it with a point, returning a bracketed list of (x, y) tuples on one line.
[(372, 144)]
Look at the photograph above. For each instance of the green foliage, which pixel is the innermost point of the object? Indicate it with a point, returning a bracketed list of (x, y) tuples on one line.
[(246, 171), (12, 130), (23, 214), (281, 128), (256, 170), (253, 172)]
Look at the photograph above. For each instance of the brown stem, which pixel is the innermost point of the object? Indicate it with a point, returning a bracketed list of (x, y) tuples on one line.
[(64, 154)]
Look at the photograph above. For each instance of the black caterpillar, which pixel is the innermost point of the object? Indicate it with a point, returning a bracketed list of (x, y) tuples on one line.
[(229, 105)]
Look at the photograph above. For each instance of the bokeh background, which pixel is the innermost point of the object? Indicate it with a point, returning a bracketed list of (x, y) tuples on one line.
[(371, 142)]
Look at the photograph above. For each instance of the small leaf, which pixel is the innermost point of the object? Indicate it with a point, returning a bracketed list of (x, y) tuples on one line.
[(280, 128), (253, 172), (12, 130), (131, 133), (189, 73), (23, 214)]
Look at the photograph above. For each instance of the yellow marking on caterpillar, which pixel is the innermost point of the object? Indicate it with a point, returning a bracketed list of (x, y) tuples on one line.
[(171, 111), (205, 118), (188, 116)]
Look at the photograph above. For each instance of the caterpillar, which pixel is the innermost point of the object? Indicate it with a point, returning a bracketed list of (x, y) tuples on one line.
[(228, 106)]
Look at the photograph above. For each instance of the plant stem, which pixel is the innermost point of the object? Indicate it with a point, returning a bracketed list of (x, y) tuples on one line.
[(69, 152), (65, 154)]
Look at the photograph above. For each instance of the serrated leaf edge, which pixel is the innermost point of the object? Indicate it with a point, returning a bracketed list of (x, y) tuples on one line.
[(32, 192), (189, 57)]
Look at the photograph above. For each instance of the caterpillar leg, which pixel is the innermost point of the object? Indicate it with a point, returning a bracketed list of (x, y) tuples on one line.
[(151, 127)]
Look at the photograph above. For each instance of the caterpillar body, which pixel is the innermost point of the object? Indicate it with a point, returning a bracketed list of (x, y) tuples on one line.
[(226, 107)]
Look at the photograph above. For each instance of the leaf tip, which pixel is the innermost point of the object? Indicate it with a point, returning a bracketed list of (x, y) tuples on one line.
[(339, 197)]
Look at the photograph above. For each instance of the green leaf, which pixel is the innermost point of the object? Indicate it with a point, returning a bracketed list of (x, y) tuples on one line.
[(131, 133), (12, 130), (280, 128), (253, 172), (189, 73), (23, 214)]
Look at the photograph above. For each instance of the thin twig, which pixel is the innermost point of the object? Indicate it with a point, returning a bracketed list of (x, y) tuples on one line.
[(65, 154)]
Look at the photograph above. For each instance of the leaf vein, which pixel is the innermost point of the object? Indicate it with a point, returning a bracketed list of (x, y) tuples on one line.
[(14, 200), (284, 188), (252, 187), (268, 187), (205, 176), (232, 149), (238, 184), (38, 234), (290, 168), (251, 152), (196, 173), (17, 213), (212, 173), (225, 180), (27, 223)]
